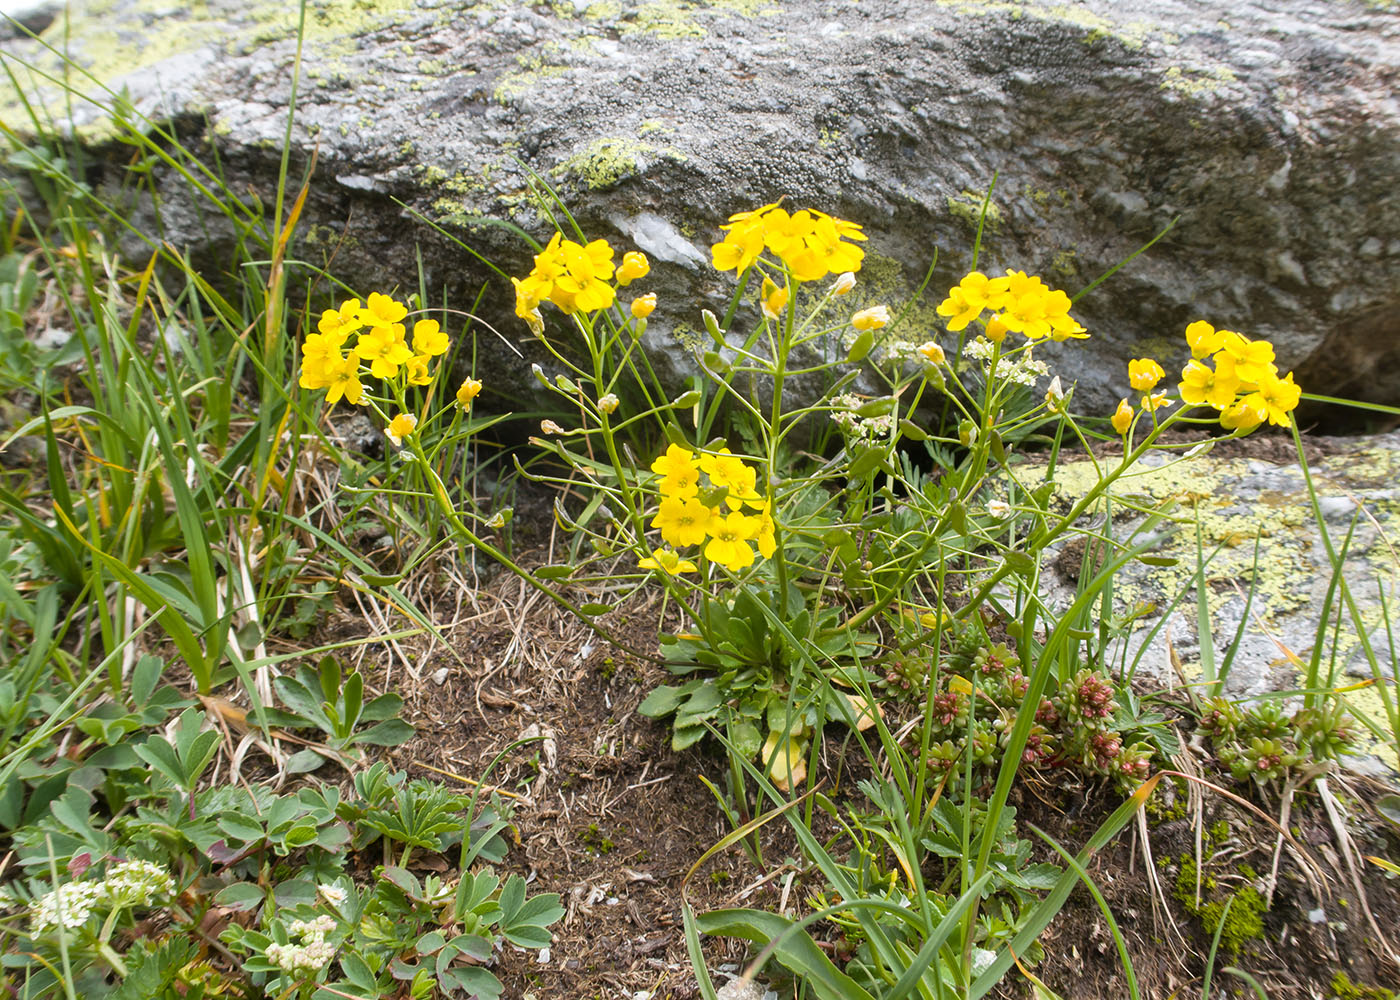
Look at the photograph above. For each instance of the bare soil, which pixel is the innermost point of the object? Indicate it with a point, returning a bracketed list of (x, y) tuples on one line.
[(609, 817)]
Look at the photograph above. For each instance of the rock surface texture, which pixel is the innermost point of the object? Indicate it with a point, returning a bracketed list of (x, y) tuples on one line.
[(1279, 589), (1270, 129)]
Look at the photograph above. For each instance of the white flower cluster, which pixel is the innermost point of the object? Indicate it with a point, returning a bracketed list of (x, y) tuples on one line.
[(853, 426), (311, 955), (128, 883), (136, 883), (1024, 371), (67, 906)]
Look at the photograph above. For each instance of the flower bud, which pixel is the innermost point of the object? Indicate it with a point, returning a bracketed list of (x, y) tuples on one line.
[(844, 283), (873, 318), (1122, 417), (550, 427), (996, 330), (643, 305), (634, 266), (609, 403), (932, 353)]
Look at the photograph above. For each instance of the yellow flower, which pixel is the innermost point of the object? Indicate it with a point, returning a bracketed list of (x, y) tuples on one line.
[(775, 299), (1144, 374), (679, 472), (844, 283), (383, 312), (468, 391), (1199, 385), (643, 305), (634, 266), (401, 427), (667, 562), (1123, 417), (527, 302), (1203, 339), (873, 318), (1277, 397), (1254, 359), (961, 307), (418, 373), (429, 338), (729, 541), (766, 536), (728, 471), (1245, 415), (319, 352), (1155, 401), (343, 381), (384, 348), (682, 520), (341, 322)]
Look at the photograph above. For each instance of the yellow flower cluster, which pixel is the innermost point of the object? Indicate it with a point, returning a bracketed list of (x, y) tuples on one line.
[(381, 343), (684, 518), (1244, 384), (810, 244), (1019, 303), (575, 277)]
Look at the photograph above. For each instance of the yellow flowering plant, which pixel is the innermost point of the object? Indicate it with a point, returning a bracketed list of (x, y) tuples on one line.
[(803, 553)]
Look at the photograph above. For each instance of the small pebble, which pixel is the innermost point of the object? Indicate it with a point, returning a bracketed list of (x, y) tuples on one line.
[(440, 676)]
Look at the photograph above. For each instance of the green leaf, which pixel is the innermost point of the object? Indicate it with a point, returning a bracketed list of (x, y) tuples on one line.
[(430, 943), (240, 827), (664, 700), (795, 949), (304, 762), (386, 734), (241, 896), (295, 892)]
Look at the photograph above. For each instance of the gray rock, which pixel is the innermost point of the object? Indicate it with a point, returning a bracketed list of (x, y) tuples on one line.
[(1271, 131), (1238, 501)]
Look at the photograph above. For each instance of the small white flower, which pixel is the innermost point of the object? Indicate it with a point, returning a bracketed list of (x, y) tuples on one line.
[(999, 509), (332, 894), (1054, 394), (609, 403), (980, 349), (67, 906), (844, 283)]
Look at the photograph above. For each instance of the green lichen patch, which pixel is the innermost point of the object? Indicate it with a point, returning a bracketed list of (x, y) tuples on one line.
[(967, 206), (1197, 83), (607, 162), (674, 19)]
